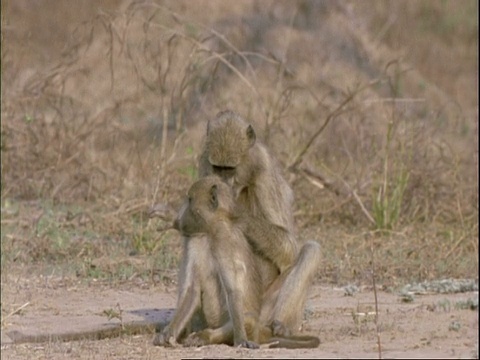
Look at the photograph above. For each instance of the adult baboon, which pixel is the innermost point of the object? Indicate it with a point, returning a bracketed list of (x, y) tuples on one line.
[(232, 152), (220, 277)]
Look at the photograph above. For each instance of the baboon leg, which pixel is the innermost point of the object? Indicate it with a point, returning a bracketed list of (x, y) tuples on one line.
[(225, 334), (221, 335), (285, 300), (265, 335)]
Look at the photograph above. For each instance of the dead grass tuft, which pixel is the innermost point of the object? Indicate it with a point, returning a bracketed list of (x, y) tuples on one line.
[(371, 140)]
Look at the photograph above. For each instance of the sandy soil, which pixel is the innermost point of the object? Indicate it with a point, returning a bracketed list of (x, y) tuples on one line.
[(431, 326)]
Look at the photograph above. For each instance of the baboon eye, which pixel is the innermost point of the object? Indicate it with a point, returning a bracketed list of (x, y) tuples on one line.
[(213, 197), (223, 168)]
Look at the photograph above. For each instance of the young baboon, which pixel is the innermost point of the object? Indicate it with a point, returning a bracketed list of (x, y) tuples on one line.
[(220, 279), (232, 152)]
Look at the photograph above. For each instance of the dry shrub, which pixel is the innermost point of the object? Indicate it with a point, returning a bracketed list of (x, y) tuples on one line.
[(109, 118), (366, 138)]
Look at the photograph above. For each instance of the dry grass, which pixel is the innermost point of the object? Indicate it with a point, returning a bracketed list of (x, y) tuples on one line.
[(376, 128)]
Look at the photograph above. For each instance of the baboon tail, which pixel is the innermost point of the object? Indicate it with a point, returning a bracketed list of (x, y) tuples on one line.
[(294, 342)]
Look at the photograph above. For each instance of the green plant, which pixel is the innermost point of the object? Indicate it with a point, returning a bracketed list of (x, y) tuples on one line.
[(387, 202), (116, 313), (190, 171)]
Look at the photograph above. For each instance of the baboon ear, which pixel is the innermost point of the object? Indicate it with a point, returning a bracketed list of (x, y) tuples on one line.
[(214, 197), (251, 136)]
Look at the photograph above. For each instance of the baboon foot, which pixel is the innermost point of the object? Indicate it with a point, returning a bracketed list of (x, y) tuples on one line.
[(195, 339), (279, 329), (248, 345)]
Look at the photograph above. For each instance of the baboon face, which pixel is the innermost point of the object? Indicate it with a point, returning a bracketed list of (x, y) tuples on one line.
[(207, 200), (228, 141)]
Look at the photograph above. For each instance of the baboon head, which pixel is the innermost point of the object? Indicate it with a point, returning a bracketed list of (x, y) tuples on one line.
[(228, 141), (209, 200)]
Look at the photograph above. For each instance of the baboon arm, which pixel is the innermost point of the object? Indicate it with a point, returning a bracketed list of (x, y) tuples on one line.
[(274, 200), (187, 306), (270, 226), (189, 296), (272, 192), (234, 302), (188, 302), (276, 243), (232, 274)]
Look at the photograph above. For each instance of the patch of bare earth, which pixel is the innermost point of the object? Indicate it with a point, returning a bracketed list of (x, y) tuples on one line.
[(430, 326)]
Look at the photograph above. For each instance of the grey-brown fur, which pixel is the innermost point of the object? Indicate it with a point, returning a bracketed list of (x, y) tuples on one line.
[(233, 152), (220, 278)]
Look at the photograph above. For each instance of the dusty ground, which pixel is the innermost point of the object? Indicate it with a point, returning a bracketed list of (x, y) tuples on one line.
[(430, 326)]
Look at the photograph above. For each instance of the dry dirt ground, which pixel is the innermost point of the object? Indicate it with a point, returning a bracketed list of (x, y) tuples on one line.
[(431, 326)]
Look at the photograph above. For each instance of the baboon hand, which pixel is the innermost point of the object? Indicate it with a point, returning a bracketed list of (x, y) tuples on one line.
[(165, 338), (279, 329)]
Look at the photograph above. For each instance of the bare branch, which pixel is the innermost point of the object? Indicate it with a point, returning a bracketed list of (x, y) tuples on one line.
[(338, 110)]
